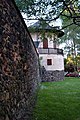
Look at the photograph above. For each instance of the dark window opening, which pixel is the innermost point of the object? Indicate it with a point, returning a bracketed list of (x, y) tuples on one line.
[(49, 61)]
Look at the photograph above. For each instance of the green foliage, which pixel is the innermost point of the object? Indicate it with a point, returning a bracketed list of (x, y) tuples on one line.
[(69, 67), (48, 9), (72, 64), (65, 61), (26, 6), (72, 39), (59, 100)]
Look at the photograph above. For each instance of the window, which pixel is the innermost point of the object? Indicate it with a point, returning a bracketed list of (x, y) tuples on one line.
[(49, 61), (45, 43)]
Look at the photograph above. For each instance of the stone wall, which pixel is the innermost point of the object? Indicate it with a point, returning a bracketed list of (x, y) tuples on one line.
[(48, 76), (19, 70)]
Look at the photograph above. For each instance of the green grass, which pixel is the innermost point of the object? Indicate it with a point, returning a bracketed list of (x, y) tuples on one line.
[(59, 100)]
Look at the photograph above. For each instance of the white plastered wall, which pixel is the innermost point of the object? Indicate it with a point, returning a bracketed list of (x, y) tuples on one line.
[(57, 62), (35, 37)]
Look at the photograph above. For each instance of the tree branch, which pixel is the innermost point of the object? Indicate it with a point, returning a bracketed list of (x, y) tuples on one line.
[(66, 26)]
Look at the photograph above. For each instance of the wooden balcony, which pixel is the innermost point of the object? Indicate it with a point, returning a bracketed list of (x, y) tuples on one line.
[(50, 51)]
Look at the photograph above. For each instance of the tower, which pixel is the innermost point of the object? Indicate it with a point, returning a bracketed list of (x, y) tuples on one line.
[(51, 57)]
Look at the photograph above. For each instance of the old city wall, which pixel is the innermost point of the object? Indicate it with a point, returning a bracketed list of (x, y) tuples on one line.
[(19, 70)]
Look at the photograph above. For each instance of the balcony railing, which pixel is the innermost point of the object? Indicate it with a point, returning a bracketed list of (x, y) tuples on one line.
[(50, 51)]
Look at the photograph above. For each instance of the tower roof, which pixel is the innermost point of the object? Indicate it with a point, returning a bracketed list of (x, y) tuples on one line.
[(43, 26)]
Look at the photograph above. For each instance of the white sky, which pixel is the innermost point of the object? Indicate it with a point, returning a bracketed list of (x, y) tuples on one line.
[(30, 22)]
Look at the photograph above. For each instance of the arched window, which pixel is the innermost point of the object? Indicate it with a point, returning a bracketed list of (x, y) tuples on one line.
[(45, 43)]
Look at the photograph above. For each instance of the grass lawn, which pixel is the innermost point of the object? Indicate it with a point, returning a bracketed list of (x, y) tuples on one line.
[(59, 100)]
